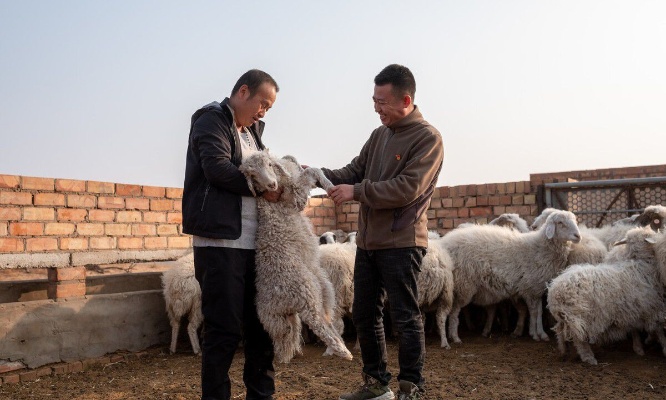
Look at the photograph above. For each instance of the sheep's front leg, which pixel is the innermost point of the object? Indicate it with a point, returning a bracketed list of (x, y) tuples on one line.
[(318, 176), (490, 318), (522, 316), (636, 343), (533, 306), (585, 352), (440, 317), (454, 320), (539, 322)]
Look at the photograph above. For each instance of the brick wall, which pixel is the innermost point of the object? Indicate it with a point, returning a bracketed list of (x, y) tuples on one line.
[(43, 216), (454, 205)]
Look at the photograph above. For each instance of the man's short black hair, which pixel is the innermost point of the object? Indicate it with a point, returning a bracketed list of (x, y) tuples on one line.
[(253, 79), (400, 77)]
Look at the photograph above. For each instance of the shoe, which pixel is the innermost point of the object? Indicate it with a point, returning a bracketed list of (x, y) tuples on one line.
[(409, 391), (372, 389)]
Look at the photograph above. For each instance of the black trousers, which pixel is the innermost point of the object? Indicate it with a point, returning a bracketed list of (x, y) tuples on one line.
[(227, 280), (392, 273)]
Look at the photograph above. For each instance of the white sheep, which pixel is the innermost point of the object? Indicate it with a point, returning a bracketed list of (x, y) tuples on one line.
[(182, 296), (336, 236), (493, 263), (337, 259), (510, 220), (653, 216), (290, 283), (435, 285), (602, 303)]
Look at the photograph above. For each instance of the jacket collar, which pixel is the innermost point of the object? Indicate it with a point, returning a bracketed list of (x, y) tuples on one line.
[(410, 119)]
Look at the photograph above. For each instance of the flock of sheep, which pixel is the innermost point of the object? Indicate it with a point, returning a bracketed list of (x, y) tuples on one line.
[(600, 284)]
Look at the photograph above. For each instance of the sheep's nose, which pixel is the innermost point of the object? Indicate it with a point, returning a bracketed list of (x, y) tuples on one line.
[(273, 186), (577, 237)]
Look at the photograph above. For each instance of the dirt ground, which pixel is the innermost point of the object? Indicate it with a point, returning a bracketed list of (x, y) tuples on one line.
[(499, 367)]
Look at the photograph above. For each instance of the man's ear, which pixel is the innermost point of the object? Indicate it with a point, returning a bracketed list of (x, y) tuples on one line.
[(406, 100)]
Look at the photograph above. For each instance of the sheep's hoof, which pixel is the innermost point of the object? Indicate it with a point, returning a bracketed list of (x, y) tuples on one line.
[(329, 352), (456, 340), (446, 346), (591, 361)]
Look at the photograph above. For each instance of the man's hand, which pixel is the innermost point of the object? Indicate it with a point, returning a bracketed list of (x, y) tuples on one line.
[(273, 197), (341, 193)]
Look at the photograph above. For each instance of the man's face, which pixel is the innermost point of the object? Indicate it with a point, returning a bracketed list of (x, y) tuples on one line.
[(251, 109), (389, 107)]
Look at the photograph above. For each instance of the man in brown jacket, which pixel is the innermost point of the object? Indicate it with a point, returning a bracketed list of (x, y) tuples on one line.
[(393, 178)]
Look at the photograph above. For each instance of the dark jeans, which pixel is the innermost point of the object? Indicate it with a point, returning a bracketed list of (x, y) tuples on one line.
[(226, 277), (392, 273)]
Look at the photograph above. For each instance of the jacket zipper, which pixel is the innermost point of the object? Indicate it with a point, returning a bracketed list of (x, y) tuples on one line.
[(381, 167), (203, 203)]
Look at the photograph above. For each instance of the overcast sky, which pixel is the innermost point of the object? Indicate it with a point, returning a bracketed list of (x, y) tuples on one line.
[(104, 90)]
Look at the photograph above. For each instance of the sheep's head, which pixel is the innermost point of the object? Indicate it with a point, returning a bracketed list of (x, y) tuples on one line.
[(512, 221), (653, 216), (562, 226), (262, 172), (541, 219), (637, 244)]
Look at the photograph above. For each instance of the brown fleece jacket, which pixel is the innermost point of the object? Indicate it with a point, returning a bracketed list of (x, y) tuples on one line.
[(393, 178)]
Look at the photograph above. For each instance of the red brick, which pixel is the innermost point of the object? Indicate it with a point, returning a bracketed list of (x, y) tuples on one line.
[(74, 244), (100, 187), (11, 245), (177, 218), (447, 213), (76, 366), (458, 202), (70, 185), (444, 191), (44, 371), (530, 199), (28, 376), (166, 230), (86, 229), (499, 210), (4, 229), (155, 242), (26, 228), (110, 202), (9, 181), (66, 289), (117, 229), (463, 212), (137, 204), (81, 201), (481, 212), (493, 201), (128, 216), (10, 213), (60, 369), (128, 190), (154, 191), (102, 242), (174, 193), (161, 205), (178, 242), (178, 205), (16, 198), (13, 378), (38, 214), (482, 201), (517, 199), (505, 200), (130, 243), (447, 203), (49, 199), (31, 183), (66, 274), (101, 215), (470, 202), (144, 230), (59, 228), (71, 214), (41, 244), (511, 187)]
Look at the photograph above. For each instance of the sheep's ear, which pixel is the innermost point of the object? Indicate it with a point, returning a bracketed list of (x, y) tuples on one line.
[(550, 230), (278, 167), (619, 242), (651, 240)]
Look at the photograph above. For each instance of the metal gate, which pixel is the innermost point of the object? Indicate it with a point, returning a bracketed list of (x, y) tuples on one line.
[(597, 203)]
